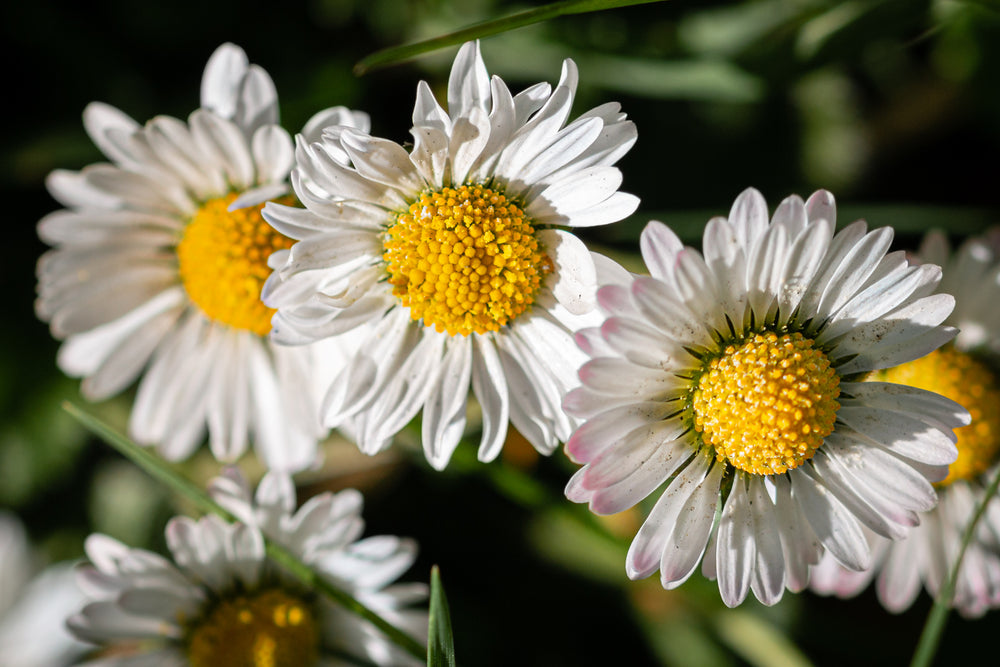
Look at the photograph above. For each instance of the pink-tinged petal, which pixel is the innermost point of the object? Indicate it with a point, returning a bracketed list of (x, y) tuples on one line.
[(660, 246), (606, 428), (647, 547), (899, 582), (691, 533), (748, 217)]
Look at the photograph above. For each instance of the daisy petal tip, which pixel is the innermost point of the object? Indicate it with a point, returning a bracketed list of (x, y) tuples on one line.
[(577, 493), (637, 568)]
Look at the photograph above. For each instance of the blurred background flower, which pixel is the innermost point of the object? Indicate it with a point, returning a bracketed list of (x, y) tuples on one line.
[(892, 104)]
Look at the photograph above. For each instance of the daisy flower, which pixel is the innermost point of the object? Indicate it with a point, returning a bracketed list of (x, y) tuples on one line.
[(221, 602), (33, 607), (733, 378), (965, 371), (453, 252), (157, 266)]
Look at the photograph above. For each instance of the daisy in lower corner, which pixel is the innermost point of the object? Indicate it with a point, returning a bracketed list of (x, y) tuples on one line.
[(158, 262), (454, 253), (732, 379), (222, 603), (966, 371)]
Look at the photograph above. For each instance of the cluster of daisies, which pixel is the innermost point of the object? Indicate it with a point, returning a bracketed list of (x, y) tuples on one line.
[(784, 404)]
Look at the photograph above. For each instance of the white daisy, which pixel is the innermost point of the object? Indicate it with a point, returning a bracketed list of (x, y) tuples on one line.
[(733, 378), (965, 371), (33, 607), (222, 603), (157, 268), (452, 250)]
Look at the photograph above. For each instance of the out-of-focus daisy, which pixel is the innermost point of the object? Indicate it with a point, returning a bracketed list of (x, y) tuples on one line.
[(222, 603), (33, 607), (733, 377), (158, 264), (965, 371), (454, 252)]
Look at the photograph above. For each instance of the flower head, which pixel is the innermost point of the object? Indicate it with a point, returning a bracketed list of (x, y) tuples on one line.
[(222, 602), (451, 252), (732, 378), (159, 259), (967, 372)]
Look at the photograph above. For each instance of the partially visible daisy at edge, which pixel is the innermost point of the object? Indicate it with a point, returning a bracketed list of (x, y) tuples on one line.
[(453, 253), (221, 603), (966, 371), (731, 379), (158, 262), (34, 605)]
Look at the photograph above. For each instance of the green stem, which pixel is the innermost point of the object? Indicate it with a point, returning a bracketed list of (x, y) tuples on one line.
[(399, 54), (938, 618), (276, 552)]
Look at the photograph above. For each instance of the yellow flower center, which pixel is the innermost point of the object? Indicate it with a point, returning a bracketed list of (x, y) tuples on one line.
[(267, 629), (970, 383), (766, 405), (223, 263), (465, 260)]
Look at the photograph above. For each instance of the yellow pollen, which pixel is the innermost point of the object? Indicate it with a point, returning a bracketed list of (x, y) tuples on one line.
[(970, 383), (465, 260), (766, 405), (269, 628), (223, 263)]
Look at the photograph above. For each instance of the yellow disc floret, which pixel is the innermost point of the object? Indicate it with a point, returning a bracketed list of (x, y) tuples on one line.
[(766, 405), (464, 259), (223, 263), (970, 383), (270, 628)]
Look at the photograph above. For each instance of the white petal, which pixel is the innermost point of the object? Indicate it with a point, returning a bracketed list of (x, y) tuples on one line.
[(490, 387), (382, 161), (899, 582), (469, 83), (257, 105), (768, 581), (647, 547), (574, 277), (831, 522), (748, 217), (444, 409), (217, 135), (223, 77), (100, 120), (735, 546), (690, 535), (900, 434), (339, 115), (273, 153)]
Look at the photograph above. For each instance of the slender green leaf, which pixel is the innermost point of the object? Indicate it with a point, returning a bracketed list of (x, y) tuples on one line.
[(757, 641), (938, 617), (440, 642), (400, 54), (169, 476), (709, 80)]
